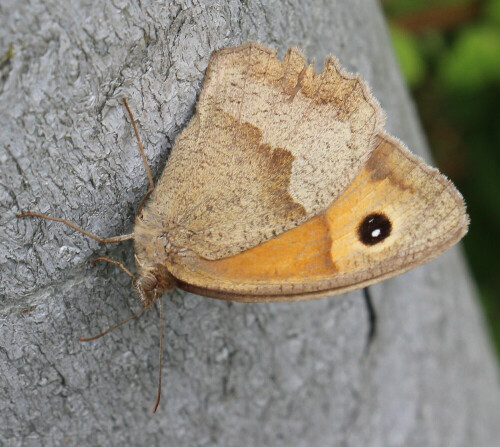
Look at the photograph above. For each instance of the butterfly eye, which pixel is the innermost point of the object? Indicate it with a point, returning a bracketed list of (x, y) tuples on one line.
[(374, 229)]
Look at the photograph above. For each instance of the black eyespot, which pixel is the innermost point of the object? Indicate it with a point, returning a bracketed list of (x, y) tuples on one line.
[(374, 229)]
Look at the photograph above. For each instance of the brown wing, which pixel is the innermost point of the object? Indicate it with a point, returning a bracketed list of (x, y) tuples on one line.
[(271, 145), (396, 214)]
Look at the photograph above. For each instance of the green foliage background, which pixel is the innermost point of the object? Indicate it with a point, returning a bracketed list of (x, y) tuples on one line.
[(449, 51)]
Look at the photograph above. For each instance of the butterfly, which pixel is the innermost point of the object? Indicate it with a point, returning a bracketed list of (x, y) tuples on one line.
[(285, 186)]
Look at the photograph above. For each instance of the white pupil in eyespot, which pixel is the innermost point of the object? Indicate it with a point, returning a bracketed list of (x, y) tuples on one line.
[(376, 233)]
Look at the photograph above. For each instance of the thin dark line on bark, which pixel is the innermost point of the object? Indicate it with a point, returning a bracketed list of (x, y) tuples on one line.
[(372, 318)]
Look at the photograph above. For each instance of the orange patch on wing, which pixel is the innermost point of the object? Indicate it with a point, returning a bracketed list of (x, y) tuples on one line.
[(303, 252)]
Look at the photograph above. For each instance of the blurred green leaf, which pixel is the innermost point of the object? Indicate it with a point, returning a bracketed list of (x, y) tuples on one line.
[(431, 45), (492, 12), (400, 7), (473, 61), (409, 57)]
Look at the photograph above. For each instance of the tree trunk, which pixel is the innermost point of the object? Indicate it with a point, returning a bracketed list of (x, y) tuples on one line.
[(291, 374)]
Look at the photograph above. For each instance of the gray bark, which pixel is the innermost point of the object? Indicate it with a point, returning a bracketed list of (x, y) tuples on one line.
[(298, 374)]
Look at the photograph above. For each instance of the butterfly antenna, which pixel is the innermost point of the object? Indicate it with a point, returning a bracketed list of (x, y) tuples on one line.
[(159, 356), (95, 337)]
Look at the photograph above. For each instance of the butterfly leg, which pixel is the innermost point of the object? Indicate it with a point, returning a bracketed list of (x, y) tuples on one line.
[(372, 316), (143, 155), (102, 240), (112, 261)]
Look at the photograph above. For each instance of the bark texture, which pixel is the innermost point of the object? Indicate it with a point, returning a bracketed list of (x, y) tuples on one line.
[(291, 374)]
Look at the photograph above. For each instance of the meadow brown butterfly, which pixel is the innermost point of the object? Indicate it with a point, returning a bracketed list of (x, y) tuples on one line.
[(284, 186)]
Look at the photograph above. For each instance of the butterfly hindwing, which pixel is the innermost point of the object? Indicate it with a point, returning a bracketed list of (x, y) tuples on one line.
[(396, 214)]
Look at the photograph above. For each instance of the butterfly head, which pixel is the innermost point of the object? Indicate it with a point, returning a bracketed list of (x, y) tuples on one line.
[(153, 283)]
